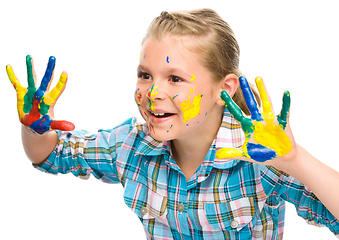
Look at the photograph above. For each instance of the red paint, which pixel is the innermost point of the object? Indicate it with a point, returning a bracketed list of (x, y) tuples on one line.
[(33, 115), (62, 125)]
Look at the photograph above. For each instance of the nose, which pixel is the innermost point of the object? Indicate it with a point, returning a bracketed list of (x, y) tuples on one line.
[(153, 93)]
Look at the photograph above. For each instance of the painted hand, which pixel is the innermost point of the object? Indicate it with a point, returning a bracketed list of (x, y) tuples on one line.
[(35, 106), (266, 135)]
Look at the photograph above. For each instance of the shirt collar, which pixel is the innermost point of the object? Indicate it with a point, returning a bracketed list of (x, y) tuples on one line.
[(230, 135)]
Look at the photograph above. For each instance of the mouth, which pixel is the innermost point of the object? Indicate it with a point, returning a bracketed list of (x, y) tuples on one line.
[(160, 115)]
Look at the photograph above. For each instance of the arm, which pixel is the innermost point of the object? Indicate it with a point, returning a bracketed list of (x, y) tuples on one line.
[(318, 177), (269, 141), (35, 110)]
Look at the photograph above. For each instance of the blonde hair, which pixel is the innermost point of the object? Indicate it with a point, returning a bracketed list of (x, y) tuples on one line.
[(216, 43)]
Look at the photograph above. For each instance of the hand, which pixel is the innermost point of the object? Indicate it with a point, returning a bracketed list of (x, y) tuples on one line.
[(35, 106), (266, 137)]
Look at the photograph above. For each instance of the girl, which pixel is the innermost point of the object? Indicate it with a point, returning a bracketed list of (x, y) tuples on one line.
[(189, 172)]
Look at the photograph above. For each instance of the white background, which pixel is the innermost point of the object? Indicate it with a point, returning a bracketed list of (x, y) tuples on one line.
[(293, 45)]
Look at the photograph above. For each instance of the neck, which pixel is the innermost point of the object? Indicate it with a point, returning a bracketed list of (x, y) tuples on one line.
[(189, 152)]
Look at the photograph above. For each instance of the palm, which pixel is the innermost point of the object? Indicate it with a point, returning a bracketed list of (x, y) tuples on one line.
[(266, 138), (34, 104)]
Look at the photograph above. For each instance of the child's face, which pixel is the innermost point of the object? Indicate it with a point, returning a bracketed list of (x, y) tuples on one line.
[(175, 94)]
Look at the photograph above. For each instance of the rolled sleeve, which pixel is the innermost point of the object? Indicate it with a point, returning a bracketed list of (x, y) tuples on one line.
[(83, 154), (307, 205)]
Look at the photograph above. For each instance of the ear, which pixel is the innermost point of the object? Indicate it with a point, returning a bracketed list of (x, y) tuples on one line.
[(230, 85)]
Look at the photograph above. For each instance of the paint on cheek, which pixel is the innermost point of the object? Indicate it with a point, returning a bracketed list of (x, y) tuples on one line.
[(193, 78), (137, 97), (167, 59), (192, 90), (174, 96), (191, 109)]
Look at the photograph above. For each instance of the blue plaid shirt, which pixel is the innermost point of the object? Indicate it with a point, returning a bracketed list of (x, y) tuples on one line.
[(224, 199)]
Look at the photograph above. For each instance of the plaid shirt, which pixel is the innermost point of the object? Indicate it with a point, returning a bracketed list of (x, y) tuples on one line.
[(224, 199)]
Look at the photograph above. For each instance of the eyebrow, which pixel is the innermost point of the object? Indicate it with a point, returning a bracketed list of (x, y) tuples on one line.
[(170, 71)]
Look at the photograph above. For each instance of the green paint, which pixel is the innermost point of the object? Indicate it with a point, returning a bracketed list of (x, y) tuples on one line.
[(28, 98), (282, 117), (246, 123), (174, 96), (43, 108)]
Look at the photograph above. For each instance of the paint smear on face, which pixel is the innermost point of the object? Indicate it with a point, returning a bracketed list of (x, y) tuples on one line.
[(193, 78), (137, 97), (167, 59), (152, 93), (191, 109)]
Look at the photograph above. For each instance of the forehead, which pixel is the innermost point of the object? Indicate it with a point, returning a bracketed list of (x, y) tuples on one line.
[(171, 52)]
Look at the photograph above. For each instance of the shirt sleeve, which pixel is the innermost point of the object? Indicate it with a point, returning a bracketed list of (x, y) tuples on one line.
[(307, 205), (83, 154)]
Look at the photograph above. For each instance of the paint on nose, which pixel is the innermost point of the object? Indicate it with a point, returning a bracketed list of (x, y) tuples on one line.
[(152, 93)]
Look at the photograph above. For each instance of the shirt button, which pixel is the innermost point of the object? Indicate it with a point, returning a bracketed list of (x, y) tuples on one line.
[(181, 207), (143, 210), (234, 224)]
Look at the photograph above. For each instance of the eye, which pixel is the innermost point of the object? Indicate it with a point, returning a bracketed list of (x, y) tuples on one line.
[(175, 79), (144, 75)]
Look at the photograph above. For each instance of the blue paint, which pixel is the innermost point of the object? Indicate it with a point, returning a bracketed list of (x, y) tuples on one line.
[(46, 79), (42, 125), (260, 153), (249, 98), (167, 59)]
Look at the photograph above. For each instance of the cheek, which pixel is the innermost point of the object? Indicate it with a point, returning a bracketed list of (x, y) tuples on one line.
[(138, 96)]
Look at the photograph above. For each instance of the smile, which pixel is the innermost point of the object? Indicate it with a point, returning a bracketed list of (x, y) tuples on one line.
[(160, 116)]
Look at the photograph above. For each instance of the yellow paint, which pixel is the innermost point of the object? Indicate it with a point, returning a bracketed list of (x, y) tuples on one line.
[(21, 91), (53, 95), (266, 132), (229, 153), (270, 134), (193, 78), (233, 152), (192, 90), (267, 108), (190, 109), (152, 95), (273, 137)]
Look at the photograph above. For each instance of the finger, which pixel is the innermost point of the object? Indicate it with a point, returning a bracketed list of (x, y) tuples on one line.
[(229, 153), (46, 79), (246, 124), (62, 125), (249, 98), (28, 99), (266, 103), (21, 91), (284, 113), (52, 96), (30, 75)]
